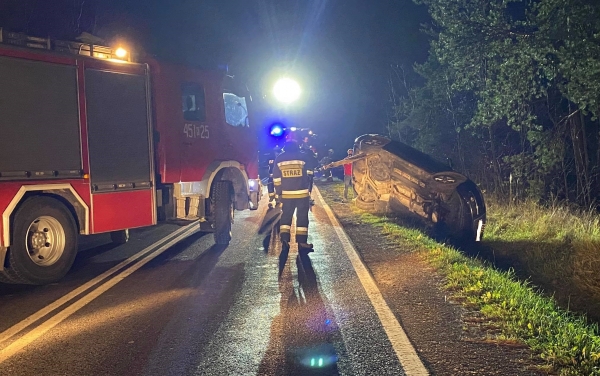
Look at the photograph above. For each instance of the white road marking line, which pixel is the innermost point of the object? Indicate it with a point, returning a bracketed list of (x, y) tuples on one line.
[(40, 330), (10, 332), (411, 363)]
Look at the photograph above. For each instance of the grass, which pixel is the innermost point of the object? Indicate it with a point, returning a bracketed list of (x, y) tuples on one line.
[(529, 220), (565, 340), (558, 246)]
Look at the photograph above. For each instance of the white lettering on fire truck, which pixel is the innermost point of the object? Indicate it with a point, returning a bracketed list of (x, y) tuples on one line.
[(196, 131)]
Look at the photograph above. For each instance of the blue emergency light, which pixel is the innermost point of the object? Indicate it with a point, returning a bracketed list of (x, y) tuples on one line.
[(276, 130)]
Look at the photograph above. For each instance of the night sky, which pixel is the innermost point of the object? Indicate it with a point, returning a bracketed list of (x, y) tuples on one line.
[(340, 51)]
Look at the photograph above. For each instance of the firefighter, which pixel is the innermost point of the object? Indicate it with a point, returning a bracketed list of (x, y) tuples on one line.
[(291, 178), (326, 161), (270, 187)]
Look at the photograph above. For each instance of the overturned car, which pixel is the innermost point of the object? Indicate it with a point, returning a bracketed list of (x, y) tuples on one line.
[(390, 176)]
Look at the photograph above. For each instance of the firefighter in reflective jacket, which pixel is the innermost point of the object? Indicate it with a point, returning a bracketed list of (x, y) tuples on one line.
[(291, 176)]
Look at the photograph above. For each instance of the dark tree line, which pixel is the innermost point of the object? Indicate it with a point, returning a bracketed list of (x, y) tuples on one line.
[(511, 93)]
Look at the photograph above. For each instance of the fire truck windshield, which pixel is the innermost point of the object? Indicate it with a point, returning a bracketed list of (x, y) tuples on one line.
[(236, 111)]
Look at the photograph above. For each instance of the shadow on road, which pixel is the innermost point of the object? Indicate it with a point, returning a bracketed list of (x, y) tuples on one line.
[(283, 257), (270, 227), (270, 220), (302, 335), (272, 245), (83, 256)]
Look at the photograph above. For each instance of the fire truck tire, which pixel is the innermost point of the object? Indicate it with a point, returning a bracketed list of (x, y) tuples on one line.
[(119, 237), (44, 242), (223, 206)]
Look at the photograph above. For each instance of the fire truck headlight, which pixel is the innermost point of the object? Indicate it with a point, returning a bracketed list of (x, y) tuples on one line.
[(121, 52)]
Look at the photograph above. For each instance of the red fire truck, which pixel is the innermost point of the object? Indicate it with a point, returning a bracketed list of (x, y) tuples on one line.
[(90, 144)]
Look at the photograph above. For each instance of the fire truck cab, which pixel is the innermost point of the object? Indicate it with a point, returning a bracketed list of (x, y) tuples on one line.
[(90, 143), (205, 136)]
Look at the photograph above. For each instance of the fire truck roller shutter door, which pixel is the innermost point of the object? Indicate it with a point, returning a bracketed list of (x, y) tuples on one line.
[(118, 128), (39, 107)]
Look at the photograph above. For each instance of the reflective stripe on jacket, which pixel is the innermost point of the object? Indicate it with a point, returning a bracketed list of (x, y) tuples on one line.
[(291, 175)]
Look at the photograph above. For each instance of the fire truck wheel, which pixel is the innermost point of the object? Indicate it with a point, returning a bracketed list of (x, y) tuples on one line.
[(119, 237), (44, 242), (223, 211)]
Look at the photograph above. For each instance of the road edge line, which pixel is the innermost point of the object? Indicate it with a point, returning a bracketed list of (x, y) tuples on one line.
[(405, 351)]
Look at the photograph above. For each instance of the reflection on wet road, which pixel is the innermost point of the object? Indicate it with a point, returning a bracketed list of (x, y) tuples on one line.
[(304, 333)]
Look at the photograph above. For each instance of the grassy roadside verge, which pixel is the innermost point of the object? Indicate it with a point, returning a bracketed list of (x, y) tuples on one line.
[(563, 339), (557, 247)]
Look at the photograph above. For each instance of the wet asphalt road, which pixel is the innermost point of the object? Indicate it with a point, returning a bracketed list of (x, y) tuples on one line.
[(200, 309)]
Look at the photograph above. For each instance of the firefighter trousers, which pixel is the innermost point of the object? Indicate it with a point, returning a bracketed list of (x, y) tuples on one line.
[(301, 206)]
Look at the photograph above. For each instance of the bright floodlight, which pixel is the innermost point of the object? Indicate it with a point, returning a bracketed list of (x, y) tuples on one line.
[(121, 52), (286, 90)]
